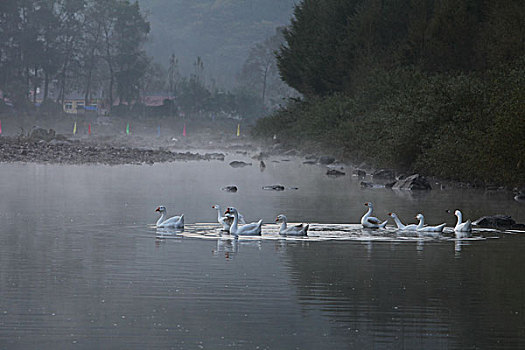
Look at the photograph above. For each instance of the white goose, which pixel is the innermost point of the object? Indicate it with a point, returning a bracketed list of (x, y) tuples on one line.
[(298, 230), (422, 228), (400, 225), (226, 220), (253, 229), (369, 221), (462, 226), (173, 222)]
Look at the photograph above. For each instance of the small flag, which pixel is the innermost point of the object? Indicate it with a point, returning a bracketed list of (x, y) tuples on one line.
[(184, 130), (75, 128), (158, 131), (127, 128), (0, 126), (238, 129), (89, 128)]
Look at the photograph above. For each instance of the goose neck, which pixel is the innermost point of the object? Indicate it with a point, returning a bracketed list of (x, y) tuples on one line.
[(421, 223), (161, 219)]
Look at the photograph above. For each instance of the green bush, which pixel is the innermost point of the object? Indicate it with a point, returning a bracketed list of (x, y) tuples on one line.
[(468, 127)]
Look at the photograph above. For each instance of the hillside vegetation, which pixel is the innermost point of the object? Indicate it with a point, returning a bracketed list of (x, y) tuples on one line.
[(431, 86)]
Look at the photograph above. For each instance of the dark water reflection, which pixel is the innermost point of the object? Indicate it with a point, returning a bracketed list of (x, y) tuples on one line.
[(80, 266)]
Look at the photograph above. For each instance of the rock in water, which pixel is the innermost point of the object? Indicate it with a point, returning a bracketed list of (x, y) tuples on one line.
[(495, 221), (238, 164), (273, 188), (232, 188), (359, 173), (411, 183), (334, 172), (326, 160), (383, 174)]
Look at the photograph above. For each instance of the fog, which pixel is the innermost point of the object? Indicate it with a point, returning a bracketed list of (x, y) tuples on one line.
[(220, 32)]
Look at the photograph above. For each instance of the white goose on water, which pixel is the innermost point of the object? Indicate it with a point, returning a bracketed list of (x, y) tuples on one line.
[(422, 228), (252, 229), (173, 222), (369, 221), (226, 220), (400, 225), (460, 225), (298, 230)]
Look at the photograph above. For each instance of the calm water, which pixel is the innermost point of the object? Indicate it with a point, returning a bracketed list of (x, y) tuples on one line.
[(81, 267)]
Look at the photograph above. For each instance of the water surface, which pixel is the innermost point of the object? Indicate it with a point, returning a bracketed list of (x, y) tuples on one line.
[(82, 267)]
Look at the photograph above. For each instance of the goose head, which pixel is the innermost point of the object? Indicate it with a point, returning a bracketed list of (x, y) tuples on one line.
[(280, 218), (419, 216), (392, 215), (215, 206), (230, 210), (457, 213), (368, 204), (161, 209)]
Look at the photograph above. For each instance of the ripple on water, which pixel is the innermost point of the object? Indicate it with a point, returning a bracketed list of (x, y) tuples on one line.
[(325, 232)]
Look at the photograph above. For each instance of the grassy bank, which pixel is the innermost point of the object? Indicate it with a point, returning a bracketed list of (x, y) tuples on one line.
[(464, 127)]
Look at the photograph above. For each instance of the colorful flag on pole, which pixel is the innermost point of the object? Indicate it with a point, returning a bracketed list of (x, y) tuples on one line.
[(75, 128), (0, 126), (184, 130), (238, 129), (127, 129), (89, 128)]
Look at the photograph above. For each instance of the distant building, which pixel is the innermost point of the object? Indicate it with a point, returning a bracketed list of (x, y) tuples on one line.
[(74, 103)]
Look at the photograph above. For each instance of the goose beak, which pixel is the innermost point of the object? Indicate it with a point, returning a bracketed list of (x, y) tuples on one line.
[(158, 209), (227, 211), (389, 214)]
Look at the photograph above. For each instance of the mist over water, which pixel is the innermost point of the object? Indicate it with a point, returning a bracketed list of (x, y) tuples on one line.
[(81, 265)]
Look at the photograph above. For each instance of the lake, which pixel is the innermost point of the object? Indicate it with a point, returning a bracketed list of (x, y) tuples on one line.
[(82, 267)]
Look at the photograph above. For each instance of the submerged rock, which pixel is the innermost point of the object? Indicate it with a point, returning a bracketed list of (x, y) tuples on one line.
[(273, 188), (412, 183), (365, 184), (239, 164), (231, 188), (335, 172)]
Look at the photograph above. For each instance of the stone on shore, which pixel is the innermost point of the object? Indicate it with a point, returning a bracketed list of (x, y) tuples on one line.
[(325, 160), (414, 182)]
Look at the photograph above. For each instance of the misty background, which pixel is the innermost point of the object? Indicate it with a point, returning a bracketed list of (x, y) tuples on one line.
[(221, 32)]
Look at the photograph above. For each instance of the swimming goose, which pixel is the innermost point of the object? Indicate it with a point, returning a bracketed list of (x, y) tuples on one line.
[(226, 220), (253, 228), (400, 225), (462, 226), (369, 221), (173, 222), (422, 228), (298, 230)]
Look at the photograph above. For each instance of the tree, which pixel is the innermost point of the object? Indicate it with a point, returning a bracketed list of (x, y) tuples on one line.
[(260, 74), (130, 32)]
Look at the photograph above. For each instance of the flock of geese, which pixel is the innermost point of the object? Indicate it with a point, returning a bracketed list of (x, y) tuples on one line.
[(233, 222)]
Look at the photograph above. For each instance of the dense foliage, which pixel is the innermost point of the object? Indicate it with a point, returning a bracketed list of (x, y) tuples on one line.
[(426, 85)]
